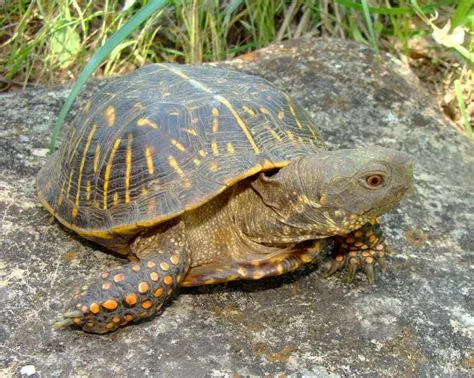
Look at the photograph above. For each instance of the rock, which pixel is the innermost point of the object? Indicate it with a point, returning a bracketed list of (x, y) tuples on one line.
[(416, 320)]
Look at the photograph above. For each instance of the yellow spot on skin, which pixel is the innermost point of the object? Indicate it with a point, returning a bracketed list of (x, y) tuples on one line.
[(306, 258), (174, 260), (280, 269), (154, 276), (119, 277), (281, 115), (108, 170), (273, 132), (151, 264), (128, 168), (96, 158), (196, 162), (290, 135), (110, 325), (143, 287), (190, 131), (264, 110), (230, 148), (136, 268), (116, 199), (242, 271), (178, 145), (213, 166), (144, 191), (158, 292), (358, 234), (110, 304), (241, 123), (215, 150), (215, 121), (145, 122), (248, 110), (60, 200), (75, 211), (88, 190), (165, 266), (106, 285), (110, 115), (131, 299), (104, 274), (202, 153), (128, 317), (147, 304), (168, 280), (149, 159), (258, 274), (94, 308), (116, 319)]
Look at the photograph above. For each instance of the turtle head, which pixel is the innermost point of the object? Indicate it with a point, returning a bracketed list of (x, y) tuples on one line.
[(336, 192), (357, 184)]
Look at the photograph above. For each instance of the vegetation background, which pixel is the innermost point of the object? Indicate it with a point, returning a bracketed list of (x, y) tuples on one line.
[(50, 41)]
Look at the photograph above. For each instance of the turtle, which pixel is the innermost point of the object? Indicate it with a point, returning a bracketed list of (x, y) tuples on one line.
[(201, 175)]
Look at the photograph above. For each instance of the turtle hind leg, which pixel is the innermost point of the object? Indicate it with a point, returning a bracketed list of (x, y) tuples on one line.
[(128, 294), (360, 249)]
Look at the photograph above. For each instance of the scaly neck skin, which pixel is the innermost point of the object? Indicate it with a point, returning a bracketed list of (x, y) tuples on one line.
[(263, 224)]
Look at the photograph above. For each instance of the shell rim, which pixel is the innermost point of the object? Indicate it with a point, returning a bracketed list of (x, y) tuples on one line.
[(133, 228)]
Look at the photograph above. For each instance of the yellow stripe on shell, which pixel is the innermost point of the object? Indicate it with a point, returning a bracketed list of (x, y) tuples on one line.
[(96, 158), (273, 132), (145, 122), (230, 148), (292, 110), (128, 167), (190, 131), (88, 190), (83, 162), (149, 159), (248, 110), (178, 145), (110, 115), (241, 123), (215, 120), (215, 150), (108, 170)]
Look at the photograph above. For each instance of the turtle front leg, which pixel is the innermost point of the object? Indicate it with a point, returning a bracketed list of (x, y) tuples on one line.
[(360, 249), (130, 293)]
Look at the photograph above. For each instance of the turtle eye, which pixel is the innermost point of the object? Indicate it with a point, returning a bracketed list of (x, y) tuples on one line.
[(374, 181)]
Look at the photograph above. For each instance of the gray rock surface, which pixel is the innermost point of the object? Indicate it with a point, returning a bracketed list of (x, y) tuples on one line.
[(416, 320)]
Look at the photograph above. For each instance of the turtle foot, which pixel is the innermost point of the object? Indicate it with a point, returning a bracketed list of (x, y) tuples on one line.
[(360, 250), (123, 296)]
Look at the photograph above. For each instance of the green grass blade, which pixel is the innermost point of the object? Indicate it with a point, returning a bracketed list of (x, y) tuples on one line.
[(370, 26), (142, 15), (462, 108)]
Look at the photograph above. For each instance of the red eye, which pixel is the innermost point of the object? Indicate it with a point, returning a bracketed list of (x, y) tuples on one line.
[(374, 180)]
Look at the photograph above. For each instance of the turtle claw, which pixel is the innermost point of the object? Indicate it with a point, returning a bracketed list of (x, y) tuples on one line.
[(337, 264), (382, 262), (352, 269), (369, 272), (63, 321)]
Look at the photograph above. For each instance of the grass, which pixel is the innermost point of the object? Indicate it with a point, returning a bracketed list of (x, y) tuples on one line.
[(50, 41)]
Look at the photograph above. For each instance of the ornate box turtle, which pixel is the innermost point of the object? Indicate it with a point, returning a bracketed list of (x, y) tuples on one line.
[(200, 175)]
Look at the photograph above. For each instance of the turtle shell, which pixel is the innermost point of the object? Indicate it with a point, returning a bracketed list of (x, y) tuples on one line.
[(166, 139)]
